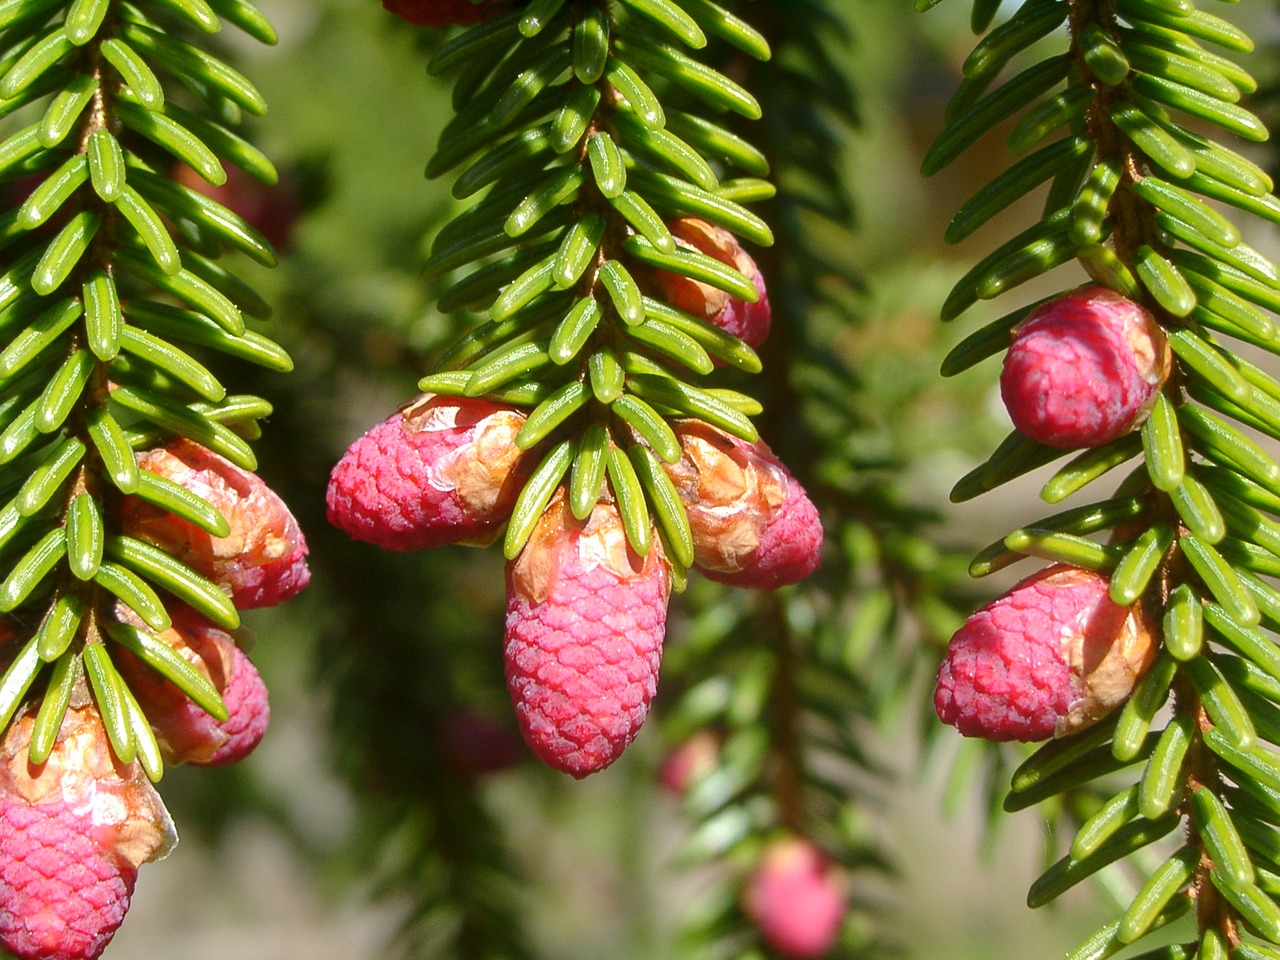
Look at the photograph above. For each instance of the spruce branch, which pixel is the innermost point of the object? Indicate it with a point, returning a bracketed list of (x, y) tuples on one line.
[(1127, 199)]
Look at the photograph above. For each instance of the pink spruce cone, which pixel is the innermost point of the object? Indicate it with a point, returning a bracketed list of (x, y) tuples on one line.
[(73, 833), (443, 13), (585, 622), (185, 731), (1084, 369), (749, 322), (796, 899), (444, 470), (1050, 657), (753, 524), (261, 562)]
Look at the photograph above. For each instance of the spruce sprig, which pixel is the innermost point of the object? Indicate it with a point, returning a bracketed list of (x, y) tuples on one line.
[(582, 165), (113, 306), (1190, 528)]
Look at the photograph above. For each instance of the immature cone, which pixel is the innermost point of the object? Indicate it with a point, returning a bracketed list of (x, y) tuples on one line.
[(1084, 369), (260, 563), (185, 731), (444, 470), (796, 899), (444, 13), (689, 762), (753, 525), (1050, 657), (73, 833), (585, 622), (748, 322)]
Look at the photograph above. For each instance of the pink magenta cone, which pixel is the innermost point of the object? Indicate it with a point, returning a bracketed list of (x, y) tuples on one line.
[(444, 470), (1050, 657), (585, 622), (73, 833), (797, 899), (261, 562), (1084, 369), (443, 13), (753, 524), (185, 731), (748, 322)]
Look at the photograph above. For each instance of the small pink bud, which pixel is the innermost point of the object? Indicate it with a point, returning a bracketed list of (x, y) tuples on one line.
[(748, 322), (796, 899), (443, 13), (260, 563), (445, 470), (690, 762), (753, 525), (1050, 657), (73, 833), (585, 622), (185, 732), (1084, 369)]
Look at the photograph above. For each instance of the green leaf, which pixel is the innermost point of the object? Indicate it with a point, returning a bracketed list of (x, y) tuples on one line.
[(537, 493), (85, 536), (591, 36), (1067, 872), (1219, 440), (572, 332), (17, 680), (551, 413), (577, 250), (1157, 143), (63, 390), (49, 477), (1184, 70), (64, 252), (1183, 624), (53, 193), (629, 495), (537, 15), (1258, 911), (672, 19), (1065, 548), (1032, 22), (36, 337), (1103, 56), (607, 166), (1223, 844), (1049, 115), (715, 141), (1222, 704), (30, 571), (688, 263), (151, 229), (189, 288), (1020, 179), (104, 324), (606, 375), (1197, 509), (662, 495), (649, 425), (1170, 878), (1148, 697), (181, 502), (171, 665), (586, 480), (53, 708), (191, 63), (112, 445), (1103, 824), (715, 341), (623, 290), (687, 199), (1220, 578), (1089, 466), (559, 187), (136, 594), (1162, 443), (172, 137), (644, 219), (1163, 773), (35, 63), (185, 422), (1089, 209), (722, 23), (710, 86), (64, 110), (1057, 756), (1138, 565), (174, 576), (992, 109), (1210, 363), (690, 400), (995, 265)]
